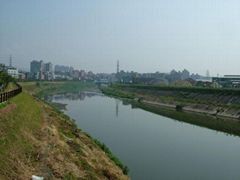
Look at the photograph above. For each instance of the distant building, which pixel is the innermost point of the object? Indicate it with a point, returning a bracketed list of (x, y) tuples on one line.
[(48, 67), (82, 74), (22, 76), (228, 81), (48, 71), (63, 69), (185, 74), (41, 71), (13, 72), (36, 66), (76, 74)]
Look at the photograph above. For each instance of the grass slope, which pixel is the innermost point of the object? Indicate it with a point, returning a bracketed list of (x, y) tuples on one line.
[(37, 139), (18, 120)]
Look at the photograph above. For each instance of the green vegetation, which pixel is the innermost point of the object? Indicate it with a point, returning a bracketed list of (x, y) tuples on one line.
[(5, 79), (185, 89), (129, 89), (69, 176), (59, 106), (179, 107), (10, 87), (43, 88), (4, 104), (116, 92), (24, 117)]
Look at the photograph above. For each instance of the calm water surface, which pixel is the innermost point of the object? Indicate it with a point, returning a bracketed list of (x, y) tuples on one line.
[(152, 146)]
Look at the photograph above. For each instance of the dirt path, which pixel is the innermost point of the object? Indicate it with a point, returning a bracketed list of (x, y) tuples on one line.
[(7, 109)]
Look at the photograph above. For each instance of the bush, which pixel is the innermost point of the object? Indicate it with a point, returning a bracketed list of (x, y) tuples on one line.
[(179, 107), (37, 84), (5, 78)]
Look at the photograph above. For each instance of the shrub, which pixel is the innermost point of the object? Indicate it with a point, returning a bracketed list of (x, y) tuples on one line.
[(179, 107)]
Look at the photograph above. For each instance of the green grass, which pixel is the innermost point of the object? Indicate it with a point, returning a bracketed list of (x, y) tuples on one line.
[(70, 176), (11, 86), (4, 104), (185, 89), (25, 117), (121, 87), (43, 88), (116, 92)]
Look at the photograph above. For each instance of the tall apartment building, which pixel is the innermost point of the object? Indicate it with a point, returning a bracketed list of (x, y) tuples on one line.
[(41, 71), (48, 67), (36, 66)]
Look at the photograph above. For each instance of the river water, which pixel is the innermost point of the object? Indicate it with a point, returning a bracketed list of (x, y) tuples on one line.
[(154, 147)]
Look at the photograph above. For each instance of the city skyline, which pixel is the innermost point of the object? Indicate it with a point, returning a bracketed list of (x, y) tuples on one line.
[(118, 68)]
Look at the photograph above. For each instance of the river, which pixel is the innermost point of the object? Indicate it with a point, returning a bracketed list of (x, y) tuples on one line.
[(154, 147)]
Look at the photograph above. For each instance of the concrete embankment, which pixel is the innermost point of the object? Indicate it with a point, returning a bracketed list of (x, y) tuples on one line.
[(199, 108), (216, 102)]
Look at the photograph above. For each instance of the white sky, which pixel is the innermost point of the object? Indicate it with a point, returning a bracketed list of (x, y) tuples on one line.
[(145, 35)]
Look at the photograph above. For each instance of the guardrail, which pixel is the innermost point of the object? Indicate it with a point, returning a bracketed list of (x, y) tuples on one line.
[(7, 95)]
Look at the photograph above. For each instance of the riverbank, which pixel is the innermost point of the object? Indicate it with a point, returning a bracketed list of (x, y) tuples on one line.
[(216, 102), (219, 118), (43, 88), (36, 138)]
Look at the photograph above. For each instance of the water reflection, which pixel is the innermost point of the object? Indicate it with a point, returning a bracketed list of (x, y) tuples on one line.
[(72, 96), (117, 106), (154, 146)]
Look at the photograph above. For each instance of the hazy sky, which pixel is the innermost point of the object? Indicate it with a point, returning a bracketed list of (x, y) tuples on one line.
[(145, 35)]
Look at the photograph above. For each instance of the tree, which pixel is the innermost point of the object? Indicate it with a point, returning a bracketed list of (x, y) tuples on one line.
[(5, 78)]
